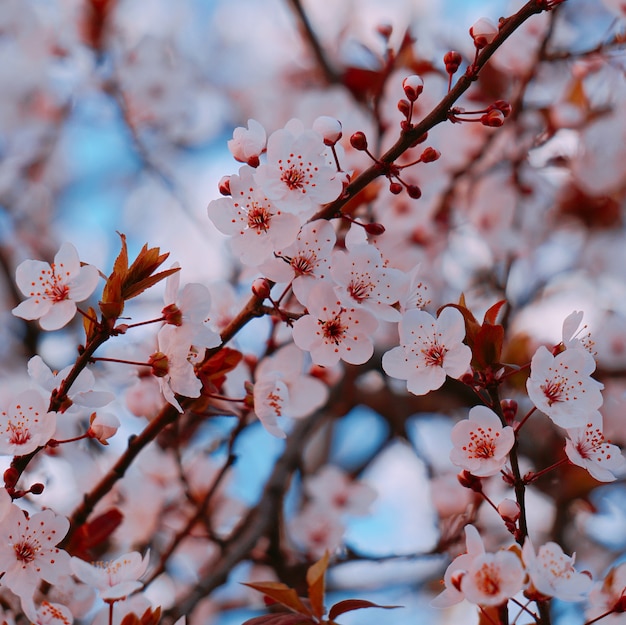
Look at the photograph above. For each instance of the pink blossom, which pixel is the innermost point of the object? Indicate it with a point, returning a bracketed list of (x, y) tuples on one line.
[(317, 530), (481, 443), (103, 426), (257, 226), (115, 580), (187, 313), (248, 143), (331, 332), (27, 550), (281, 389), (430, 348), (571, 332), (561, 386), (47, 613), (332, 488), (362, 279), (297, 176), (26, 424), (586, 447), (483, 32), (452, 593), (552, 573), (493, 578), (306, 261), (607, 594), (53, 290)]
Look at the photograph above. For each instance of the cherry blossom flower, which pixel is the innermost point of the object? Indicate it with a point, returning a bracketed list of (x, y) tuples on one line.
[(552, 573), (187, 314), (306, 261), (176, 372), (114, 580), (281, 389), (452, 593), (28, 551), (608, 594), (248, 143), (483, 32), (317, 530), (571, 332), (47, 613), (415, 294), (257, 226), (363, 280), (586, 447), (103, 426), (481, 443), (332, 332), (53, 290), (333, 489), (81, 392), (430, 348), (561, 386), (26, 424), (493, 578), (297, 176)]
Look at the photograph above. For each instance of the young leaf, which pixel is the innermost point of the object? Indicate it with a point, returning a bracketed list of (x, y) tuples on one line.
[(315, 581), (283, 618), (355, 604), (282, 594)]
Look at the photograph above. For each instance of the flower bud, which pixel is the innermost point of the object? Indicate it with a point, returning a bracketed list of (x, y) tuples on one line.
[(103, 426), (509, 409), (429, 155), (261, 288), (483, 32), (37, 488), (395, 188), (375, 229), (453, 61), (173, 315), (11, 476), (502, 105), (493, 119), (224, 185), (470, 481), (509, 510), (329, 128), (413, 86), (414, 191), (248, 143), (359, 141), (160, 364), (404, 106)]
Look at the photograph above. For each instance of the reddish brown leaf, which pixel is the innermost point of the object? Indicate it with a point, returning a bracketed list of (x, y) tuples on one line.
[(315, 581), (492, 314), (282, 594), (281, 619), (355, 604)]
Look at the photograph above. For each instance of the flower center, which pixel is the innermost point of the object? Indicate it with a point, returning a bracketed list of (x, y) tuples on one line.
[(259, 218), (25, 551), (488, 580), (293, 178), (434, 355), (360, 289), (304, 263), (19, 434), (333, 329), (553, 390)]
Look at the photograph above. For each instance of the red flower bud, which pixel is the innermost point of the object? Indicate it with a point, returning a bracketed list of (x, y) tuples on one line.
[(374, 229), (224, 185), (429, 155), (261, 288), (160, 364), (502, 105), (395, 188), (414, 191), (413, 86), (359, 141), (493, 119), (470, 481), (453, 61), (11, 475), (37, 488), (404, 106)]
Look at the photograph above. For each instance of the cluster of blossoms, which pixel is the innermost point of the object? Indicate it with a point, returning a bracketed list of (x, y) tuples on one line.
[(335, 290)]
